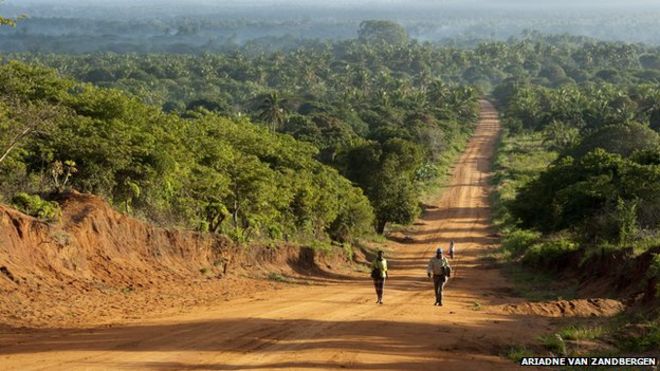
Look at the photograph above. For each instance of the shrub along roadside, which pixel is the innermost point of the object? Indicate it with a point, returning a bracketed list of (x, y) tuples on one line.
[(585, 180), (37, 207), (536, 260)]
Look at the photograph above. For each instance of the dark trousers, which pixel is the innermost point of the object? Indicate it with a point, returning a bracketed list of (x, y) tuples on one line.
[(379, 284), (438, 284)]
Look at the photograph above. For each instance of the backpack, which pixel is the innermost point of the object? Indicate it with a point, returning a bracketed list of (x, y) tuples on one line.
[(446, 270)]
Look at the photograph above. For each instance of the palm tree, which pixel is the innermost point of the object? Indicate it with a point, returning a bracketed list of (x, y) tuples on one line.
[(272, 111)]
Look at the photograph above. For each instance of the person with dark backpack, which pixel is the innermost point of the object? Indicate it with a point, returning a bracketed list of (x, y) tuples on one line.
[(378, 274), (440, 270)]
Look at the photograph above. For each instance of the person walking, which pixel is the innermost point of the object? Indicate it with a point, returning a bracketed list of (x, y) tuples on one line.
[(440, 271), (378, 274), (451, 249)]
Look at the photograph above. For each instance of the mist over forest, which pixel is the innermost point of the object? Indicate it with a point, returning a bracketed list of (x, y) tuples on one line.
[(169, 26)]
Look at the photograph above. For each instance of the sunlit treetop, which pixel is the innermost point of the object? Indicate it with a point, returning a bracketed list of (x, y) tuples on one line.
[(11, 22)]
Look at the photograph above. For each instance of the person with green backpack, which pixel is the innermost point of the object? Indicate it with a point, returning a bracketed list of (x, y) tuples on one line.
[(378, 274)]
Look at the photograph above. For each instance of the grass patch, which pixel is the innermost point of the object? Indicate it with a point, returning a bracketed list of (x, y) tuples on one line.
[(520, 159), (518, 241), (476, 306), (518, 352), (637, 334), (443, 167), (582, 332), (554, 343), (534, 285), (277, 277)]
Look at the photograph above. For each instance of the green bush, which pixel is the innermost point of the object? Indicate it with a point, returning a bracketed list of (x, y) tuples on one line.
[(646, 337), (554, 343), (518, 352), (519, 240), (602, 196), (582, 333), (547, 253), (653, 273), (654, 269), (37, 207)]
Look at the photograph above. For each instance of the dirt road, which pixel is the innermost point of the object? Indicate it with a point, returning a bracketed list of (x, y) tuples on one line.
[(334, 324)]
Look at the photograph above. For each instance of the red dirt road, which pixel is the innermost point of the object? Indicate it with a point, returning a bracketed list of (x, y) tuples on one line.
[(334, 324)]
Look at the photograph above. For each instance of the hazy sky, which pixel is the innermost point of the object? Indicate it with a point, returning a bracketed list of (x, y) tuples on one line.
[(309, 8), (626, 20), (240, 3)]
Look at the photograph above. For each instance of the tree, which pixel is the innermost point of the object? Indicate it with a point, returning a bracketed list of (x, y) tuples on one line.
[(61, 173), (22, 120), (11, 22), (394, 197), (621, 139), (561, 136), (386, 173), (650, 61), (272, 110), (601, 196), (554, 73), (382, 32)]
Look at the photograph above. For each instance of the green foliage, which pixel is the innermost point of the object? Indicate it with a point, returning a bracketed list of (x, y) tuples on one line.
[(586, 107), (338, 97), (518, 241), (519, 160), (61, 173), (561, 137), (554, 343), (386, 172), (37, 207), (623, 139), (207, 172), (11, 22), (385, 32), (537, 283), (517, 353), (273, 276), (654, 269), (546, 254), (7, 22), (645, 338), (602, 196), (271, 110), (582, 332)]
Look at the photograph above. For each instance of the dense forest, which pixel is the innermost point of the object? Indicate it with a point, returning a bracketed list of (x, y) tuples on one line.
[(579, 179), (200, 163), (603, 188), (379, 110), (577, 196)]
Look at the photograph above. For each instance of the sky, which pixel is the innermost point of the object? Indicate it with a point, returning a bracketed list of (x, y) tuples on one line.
[(243, 3), (296, 8)]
